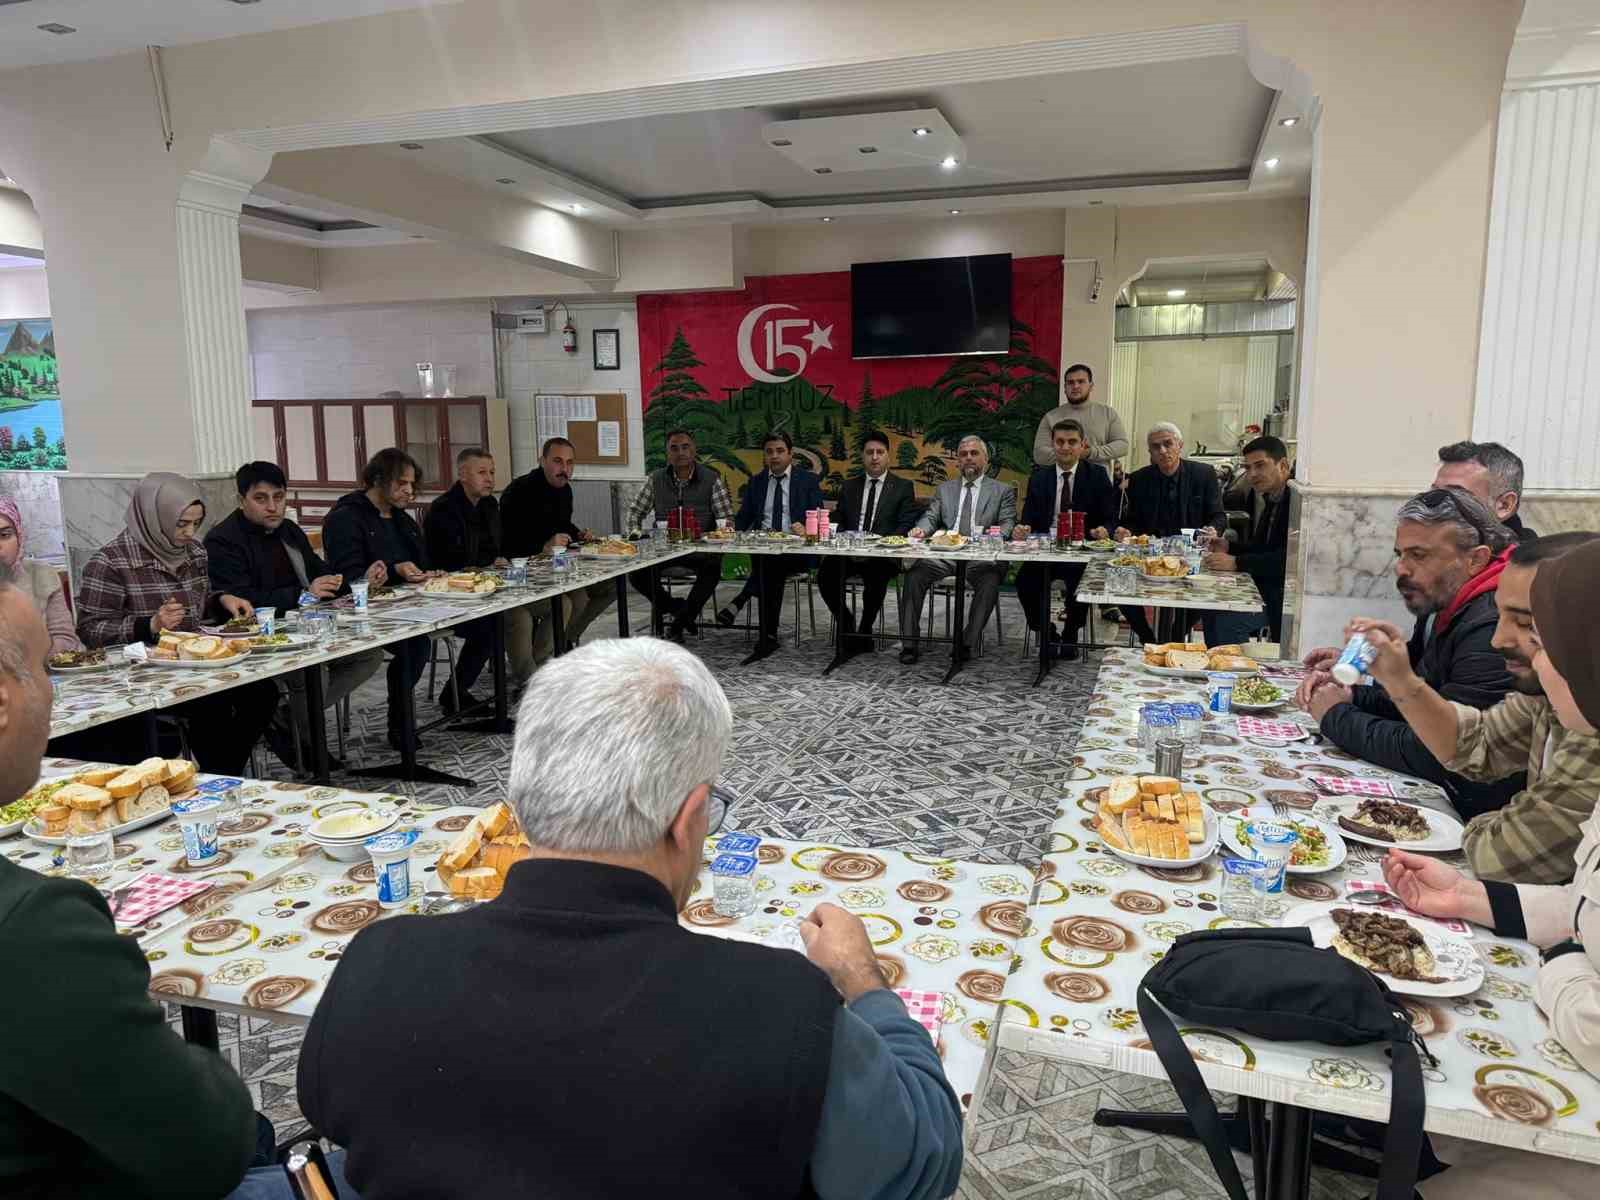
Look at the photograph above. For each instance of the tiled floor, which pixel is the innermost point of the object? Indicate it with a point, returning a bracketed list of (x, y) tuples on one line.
[(878, 755)]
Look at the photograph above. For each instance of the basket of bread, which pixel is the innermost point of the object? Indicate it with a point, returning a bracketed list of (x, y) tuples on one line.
[(1165, 566), (112, 799), (610, 547), (1150, 819), (476, 585), (947, 539), (475, 864), (1195, 658), (175, 648)]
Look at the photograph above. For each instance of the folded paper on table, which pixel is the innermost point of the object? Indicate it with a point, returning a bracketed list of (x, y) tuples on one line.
[(1336, 786), (153, 893), (926, 1009)]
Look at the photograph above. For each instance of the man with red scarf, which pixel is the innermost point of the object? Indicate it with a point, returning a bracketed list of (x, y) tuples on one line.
[(1449, 552)]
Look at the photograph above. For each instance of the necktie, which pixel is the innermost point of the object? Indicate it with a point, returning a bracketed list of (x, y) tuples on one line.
[(964, 519), (776, 519), (1066, 492), (871, 511), (1264, 526)]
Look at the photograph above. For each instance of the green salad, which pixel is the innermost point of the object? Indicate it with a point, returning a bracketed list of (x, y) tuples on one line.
[(1255, 690), (22, 809)]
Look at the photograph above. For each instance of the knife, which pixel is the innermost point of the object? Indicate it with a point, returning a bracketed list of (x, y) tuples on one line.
[(255, 885)]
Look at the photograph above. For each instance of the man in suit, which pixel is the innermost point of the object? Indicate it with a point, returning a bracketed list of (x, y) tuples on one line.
[(1264, 554), (968, 505), (778, 498), (1170, 495), (1073, 484), (876, 502)]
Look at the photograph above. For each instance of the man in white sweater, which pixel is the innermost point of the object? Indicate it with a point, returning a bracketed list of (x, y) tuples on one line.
[(1102, 427)]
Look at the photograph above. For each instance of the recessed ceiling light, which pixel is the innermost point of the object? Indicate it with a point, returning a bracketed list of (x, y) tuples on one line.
[(823, 170), (955, 212), (1289, 122), (949, 162), (57, 27), (576, 207), (1092, 203), (1176, 293), (247, 1), (825, 220), (505, 180), (782, 142), (1271, 164), (411, 145), (921, 131), (866, 149)]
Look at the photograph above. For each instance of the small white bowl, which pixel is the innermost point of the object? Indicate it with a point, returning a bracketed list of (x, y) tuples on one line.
[(351, 847)]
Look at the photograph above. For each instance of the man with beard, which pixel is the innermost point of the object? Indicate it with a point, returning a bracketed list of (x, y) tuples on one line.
[(1531, 839), (1105, 441), (1449, 555), (1491, 473)]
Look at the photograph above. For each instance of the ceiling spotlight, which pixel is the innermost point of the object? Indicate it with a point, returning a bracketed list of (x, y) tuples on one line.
[(825, 220), (1093, 203), (949, 162), (866, 149), (823, 170), (921, 131), (576, 207), (56, 27), (1271, 164), (505, 180), (411, 145), (781, 142), (247, 1), (955, 212), (1176, 293), (1289, 122)]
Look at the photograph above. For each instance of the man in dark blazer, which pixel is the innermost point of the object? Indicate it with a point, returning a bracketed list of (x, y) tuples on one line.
[(1263, 554), (876, 502), (463, 533), (778, 498), (1073, 484), (1170, 495)]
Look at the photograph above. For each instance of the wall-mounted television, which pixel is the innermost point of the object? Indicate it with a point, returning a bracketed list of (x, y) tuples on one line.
[(931, 306)]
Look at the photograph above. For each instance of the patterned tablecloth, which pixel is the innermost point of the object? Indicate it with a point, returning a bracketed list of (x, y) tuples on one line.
[(1099, 923), (1223, 593), (86, 699)]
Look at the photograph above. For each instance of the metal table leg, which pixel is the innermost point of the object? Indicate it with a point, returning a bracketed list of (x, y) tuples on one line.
[(501, 722), (1289, 1153), (958, 641), (763, 584), (408, 768), (200, 1027), (317, 723), (1044, 628), (839, 656), (622, 607)]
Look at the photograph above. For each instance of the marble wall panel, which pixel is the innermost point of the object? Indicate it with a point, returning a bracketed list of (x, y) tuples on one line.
[(40, 505), (94, 509)]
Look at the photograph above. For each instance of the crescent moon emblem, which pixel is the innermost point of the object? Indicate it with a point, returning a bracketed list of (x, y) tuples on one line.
[(747, 358)]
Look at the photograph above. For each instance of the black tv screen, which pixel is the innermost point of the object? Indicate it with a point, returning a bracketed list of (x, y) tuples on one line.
[(926, 306)]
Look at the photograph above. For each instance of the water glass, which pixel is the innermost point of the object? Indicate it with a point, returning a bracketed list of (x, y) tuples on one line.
[(89, 853), (1240, 899), (658, 536)]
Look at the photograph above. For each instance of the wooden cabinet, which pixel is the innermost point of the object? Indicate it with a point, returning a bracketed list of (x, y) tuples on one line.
[(326, 443)]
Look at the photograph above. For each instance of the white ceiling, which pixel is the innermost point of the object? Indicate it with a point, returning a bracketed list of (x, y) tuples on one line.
[(1127, 127), (107, 27)]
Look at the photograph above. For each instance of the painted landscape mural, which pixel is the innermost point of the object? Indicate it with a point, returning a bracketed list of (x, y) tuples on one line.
[(732, 365), (31, 435)]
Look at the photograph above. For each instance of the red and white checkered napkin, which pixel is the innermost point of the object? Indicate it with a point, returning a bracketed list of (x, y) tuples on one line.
[(926, 1009), (1335, 786), (153, 893), (1282, 670), (1361, 885), (1282, 730)]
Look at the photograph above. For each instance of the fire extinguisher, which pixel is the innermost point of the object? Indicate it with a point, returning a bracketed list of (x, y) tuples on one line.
[(569, 337)]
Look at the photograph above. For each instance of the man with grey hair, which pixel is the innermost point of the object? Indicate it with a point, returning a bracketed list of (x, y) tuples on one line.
[(1491, 473), (1449, 554), (968, 505), (576, 998)]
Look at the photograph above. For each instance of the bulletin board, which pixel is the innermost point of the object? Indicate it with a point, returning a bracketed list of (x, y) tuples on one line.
[(596, 423)]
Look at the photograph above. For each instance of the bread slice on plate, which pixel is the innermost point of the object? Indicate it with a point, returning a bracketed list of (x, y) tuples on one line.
[(98, 776), (81, 797), (1122, 794), (496, 819), (481, 882), (1194, 816), (147, 803), (1159, 785), (81, 822), (200, 648), (1187, 660), (179, 776), (1111, 834)]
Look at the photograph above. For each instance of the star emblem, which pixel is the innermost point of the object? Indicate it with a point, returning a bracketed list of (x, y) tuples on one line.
[(820, 337)]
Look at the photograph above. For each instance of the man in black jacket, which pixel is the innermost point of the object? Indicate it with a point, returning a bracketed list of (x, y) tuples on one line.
[(1170, 495), (1078, 485), (1264, 554), (875, 502), (370, 533), (463, 534), (1491, 473), (1449, 552), (259, 554), (536, 514)]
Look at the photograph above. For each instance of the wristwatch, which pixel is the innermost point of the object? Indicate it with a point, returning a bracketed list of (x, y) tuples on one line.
[(1570, 946)]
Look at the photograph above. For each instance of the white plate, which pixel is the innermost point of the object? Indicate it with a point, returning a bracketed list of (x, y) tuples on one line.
[(218, 631), (202, 664), (1201, 852), (1455, 957), (1444, 831), (99, 666), (596, 552), (35, 828), (469, 597), (1240, 706), (1337, 850), (297, 641), (1177, 672), (13, 827), (932, 545)]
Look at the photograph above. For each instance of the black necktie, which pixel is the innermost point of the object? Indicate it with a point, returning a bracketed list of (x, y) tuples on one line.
[(1264, 526), (777, 502), (1066, 492), (872, 508)]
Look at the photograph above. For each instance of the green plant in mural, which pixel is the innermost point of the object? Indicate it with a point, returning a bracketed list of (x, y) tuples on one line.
[(905, 456), (933, 470), (678, 401), (1001, 399)]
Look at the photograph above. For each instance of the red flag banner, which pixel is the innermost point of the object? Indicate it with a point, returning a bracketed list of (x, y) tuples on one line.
[(732, 365)]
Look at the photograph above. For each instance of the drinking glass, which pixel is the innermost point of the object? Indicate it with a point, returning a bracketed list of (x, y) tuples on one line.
[(89, 853)]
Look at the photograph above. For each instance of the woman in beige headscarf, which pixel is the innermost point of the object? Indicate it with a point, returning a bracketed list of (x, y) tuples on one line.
[(152, 577), (38, 579)]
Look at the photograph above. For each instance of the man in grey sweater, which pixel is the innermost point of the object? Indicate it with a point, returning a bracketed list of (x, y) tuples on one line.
[(1102, 427)]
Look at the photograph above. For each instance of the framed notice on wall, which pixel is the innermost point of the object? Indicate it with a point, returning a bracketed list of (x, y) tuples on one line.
[(607, 350), (596, 425)]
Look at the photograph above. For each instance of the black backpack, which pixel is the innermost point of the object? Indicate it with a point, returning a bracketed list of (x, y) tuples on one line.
[(1275, 984)]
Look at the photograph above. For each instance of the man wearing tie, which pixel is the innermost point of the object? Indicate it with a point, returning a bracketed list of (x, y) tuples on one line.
[(969, 505), (876, 502), (1265, 554), (1071, 485), (777, 499)]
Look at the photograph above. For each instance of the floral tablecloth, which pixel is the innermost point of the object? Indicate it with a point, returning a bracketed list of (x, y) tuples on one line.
[(1098, 924)]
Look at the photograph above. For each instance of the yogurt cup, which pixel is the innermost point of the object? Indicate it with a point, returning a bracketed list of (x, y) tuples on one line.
[(197, 821), (1273, 845), (267, 618), (1219, 691), (391, 862), (358, 594), (1354, 661), (738, 843)]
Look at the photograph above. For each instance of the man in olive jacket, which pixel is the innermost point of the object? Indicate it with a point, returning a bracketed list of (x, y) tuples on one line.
[(98, 1097)]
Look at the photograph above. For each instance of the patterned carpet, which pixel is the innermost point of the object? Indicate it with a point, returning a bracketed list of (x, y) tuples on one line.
[(875, 754)]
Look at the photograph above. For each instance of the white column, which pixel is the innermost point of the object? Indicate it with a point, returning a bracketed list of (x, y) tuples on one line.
[(1125, 397), (1260, 378), (214, 330)]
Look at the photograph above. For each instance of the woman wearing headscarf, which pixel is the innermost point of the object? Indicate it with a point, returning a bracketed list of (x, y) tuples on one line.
[(152, 577), (38, 579), (1563, 920)]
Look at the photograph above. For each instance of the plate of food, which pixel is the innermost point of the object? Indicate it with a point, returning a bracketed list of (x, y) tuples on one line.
[(610, 547), (112, 799), (894, 539), (1379, 822), (947, 539), (73, 662), (1100, 545), (1126, 560), (1167, 566), (236, 628), (280, 643), (195, 650), (475, 864), (1412, 955), (719, 535), (1139, 540), (1150, 820), (1319, 847), (1257, 694), (15, 815), (463, 585), (1196, 660)]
